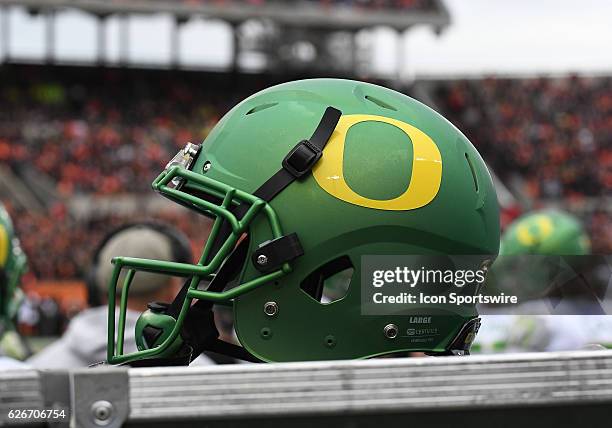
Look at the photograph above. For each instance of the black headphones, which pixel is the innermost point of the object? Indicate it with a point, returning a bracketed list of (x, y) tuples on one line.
[(180, 246)]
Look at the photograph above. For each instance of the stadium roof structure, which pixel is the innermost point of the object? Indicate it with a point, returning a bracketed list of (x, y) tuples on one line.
[(298, 35), (290, 13)]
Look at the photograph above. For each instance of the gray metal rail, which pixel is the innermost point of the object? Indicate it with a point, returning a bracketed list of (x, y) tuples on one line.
[(545, 389)]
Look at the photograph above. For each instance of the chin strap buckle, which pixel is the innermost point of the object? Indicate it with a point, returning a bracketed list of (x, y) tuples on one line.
[(271, 255), (302, 158)]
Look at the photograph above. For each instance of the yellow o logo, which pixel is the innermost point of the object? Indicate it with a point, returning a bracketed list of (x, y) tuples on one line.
[(426, 167), (544, 227)]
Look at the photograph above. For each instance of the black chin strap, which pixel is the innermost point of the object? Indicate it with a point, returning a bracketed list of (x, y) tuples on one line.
[(300, 160), (199, 332)]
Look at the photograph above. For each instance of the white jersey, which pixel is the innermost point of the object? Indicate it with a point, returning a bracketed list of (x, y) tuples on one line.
[(538, 333)]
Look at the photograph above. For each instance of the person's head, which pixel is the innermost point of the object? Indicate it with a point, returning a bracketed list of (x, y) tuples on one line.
[(145, 240), (13, 264)]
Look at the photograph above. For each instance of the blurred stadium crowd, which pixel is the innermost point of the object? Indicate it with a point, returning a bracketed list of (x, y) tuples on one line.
[(97, 134), (552, 137), (556, 133), (109, 132)]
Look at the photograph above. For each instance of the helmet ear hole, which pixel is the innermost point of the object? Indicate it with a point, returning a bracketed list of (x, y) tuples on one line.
[(330, 282)]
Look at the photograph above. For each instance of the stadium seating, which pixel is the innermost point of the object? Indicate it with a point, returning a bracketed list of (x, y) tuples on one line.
[(556, 133), (110, 132), (552, 136)]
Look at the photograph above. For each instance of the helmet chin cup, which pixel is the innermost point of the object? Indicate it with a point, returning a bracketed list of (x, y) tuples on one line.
[(153, 328)]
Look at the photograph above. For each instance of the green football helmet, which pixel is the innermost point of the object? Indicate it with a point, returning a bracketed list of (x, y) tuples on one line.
[(545, 232), (529, 251), (12, 266), (302, 180)]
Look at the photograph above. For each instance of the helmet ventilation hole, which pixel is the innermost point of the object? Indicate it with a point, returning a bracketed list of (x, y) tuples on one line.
[(380, 103), (473, 171), (330, 282), (260, 108)]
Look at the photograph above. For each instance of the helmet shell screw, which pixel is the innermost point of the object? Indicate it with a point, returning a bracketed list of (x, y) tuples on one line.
[(206, 166), (271, 309), (262, 259), (390, 331)]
